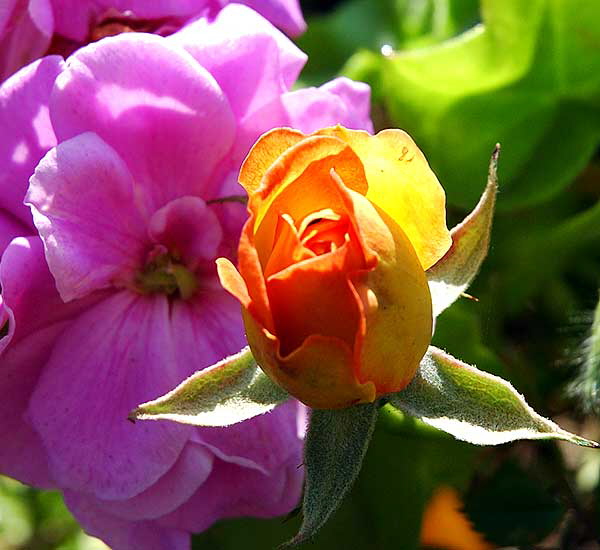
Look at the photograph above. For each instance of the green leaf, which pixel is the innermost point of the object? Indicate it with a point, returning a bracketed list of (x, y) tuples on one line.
[(229, 392), (473, 405), (528, 77), (398, 24), (336, 444), (513, 507), (453, 274)]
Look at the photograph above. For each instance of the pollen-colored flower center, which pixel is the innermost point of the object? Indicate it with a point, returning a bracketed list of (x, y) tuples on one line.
[(163, 274)]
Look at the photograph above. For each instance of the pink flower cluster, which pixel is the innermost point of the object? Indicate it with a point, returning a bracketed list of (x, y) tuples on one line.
[(113, 165), (32, 28)]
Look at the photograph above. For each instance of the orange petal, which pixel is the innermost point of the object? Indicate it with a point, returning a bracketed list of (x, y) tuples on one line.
[(319, 373), (299, 183), (287, 249), (401, 183), (445, 526), (264, 153), (232, 281), (315, 297)]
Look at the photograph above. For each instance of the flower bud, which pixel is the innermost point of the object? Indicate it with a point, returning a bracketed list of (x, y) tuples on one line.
[(332, 261)]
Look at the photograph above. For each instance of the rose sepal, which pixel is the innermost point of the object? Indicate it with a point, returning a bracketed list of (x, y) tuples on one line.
[(452, 274), (336, 444), (231, 391), (473, 405)]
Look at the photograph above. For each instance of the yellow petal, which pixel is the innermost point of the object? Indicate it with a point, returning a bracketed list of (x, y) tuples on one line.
[(397, 302), (401, 183)]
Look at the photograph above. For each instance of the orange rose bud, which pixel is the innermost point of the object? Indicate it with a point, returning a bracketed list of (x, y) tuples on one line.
[(332, 261)]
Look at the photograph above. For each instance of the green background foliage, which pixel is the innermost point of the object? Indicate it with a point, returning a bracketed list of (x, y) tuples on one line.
[(460, 76)]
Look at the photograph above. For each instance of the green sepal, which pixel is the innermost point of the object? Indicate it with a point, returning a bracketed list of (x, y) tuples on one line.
[(473, 405), (226, 393), (453, 273), (336, 443)]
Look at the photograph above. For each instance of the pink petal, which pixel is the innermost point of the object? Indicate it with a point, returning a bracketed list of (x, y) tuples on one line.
[(163, 113), (121, 534), (10, 227), (26, 131), (187, 226), (233, 491), (341, 101), (25, 33), (261, 443), (251, 60), (285, 14), (84, 204), (173, 489), (208, 326), (37, 317), (115, 356)]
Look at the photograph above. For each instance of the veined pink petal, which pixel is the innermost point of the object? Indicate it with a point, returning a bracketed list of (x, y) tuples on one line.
[(115, 356), (86, 209), (122, 534), (172, 490), (25, 131), (162, 112), (36, 317), (232, 491), (340, 101), (206, 327)]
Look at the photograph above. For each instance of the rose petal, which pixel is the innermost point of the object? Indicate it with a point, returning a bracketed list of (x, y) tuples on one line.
[(26, 131), (402, 185), (84, 204), (155, 105), (322, 360), (116, 355)]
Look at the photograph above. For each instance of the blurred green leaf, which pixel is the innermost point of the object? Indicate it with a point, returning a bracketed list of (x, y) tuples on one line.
[(529, 78), (513, 507), (399, 24)]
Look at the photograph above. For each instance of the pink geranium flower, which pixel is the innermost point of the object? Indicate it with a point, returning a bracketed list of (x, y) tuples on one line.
[(119, 300), (30, 29)]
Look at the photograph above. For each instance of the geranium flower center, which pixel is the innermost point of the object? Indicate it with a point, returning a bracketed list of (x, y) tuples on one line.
[(164, 274)]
